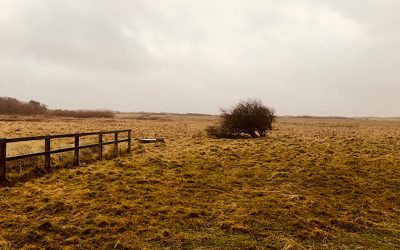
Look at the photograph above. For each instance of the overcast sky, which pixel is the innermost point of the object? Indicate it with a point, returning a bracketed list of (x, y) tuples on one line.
[(301, 57)]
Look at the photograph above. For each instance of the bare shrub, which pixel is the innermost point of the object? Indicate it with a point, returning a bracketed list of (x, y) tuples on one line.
[(250, 117)]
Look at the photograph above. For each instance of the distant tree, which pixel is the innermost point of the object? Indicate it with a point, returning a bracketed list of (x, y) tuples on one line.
[(251, 117), (37, 108)]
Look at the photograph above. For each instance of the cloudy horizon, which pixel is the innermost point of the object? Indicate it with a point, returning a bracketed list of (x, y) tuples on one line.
[(304, 57)]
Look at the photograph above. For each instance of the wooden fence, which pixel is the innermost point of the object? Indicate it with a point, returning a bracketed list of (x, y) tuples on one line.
[(48, 152)]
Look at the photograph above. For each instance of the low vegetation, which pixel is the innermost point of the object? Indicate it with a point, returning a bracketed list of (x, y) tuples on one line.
[(310, 184), (82, 113), (249, 117)]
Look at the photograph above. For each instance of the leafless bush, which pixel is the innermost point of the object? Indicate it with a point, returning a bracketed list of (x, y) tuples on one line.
[(250, 117)]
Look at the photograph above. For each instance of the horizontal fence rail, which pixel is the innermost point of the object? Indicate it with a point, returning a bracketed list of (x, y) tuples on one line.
[(48, 152)]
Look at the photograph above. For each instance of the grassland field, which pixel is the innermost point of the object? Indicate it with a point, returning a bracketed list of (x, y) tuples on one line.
[(310, 184)]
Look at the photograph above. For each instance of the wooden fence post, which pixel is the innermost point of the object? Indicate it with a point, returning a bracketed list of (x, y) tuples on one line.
[(129, 141), (116, 144), (101, 146), (47, 147), (3, 156), (76, 156)]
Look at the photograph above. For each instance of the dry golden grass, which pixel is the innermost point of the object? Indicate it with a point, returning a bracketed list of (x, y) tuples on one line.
[(311, 183)]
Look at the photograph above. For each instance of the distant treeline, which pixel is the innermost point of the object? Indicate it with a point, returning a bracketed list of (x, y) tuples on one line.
[(12, 106), (82, 113)]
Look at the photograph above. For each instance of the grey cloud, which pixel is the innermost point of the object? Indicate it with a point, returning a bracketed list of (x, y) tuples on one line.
[(300, 57)]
